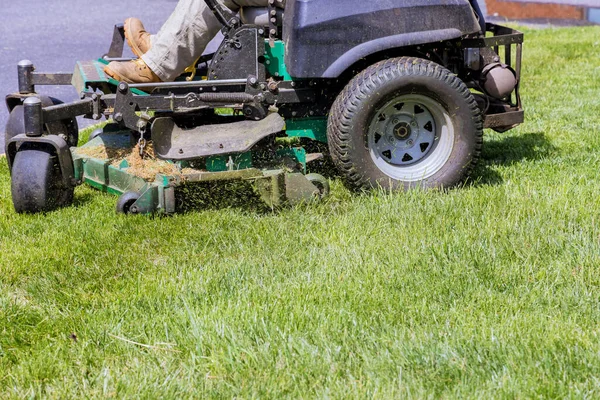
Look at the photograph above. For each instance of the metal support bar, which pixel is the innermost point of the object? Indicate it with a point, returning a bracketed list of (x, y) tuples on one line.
[(509, 118), (25, 70), (188, 85), (51, 79), (64, 111), (34, 123), (502, 36), (118, 40)]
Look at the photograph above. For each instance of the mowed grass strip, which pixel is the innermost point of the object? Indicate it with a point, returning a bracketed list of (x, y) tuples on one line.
[(488, 290)]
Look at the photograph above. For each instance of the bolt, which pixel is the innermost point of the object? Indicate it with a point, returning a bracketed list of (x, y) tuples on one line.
[(261, 31), (396, 121), (409, 142), (123, 87), (414, 124), (118, 117), (94, 97), (95, 116), (134, 209), (253, 81)]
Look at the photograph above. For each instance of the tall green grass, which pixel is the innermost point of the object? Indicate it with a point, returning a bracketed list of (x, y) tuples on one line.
[(488, 290)]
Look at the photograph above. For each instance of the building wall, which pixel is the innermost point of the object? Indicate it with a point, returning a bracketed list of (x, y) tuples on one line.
[(520, 10)]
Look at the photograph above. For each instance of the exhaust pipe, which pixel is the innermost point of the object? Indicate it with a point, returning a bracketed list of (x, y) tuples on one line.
[(498, 80)]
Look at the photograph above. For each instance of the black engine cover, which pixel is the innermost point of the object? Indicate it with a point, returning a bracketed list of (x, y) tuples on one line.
[(325, 37)]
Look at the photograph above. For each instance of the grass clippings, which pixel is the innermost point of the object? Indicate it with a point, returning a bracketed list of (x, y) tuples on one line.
[(146, 167)]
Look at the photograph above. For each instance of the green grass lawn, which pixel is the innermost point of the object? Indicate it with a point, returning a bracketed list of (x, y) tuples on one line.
[(488, 290)]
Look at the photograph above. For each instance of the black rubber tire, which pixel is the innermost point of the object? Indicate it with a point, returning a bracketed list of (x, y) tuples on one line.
[(357, 105), (36, 181), (125, 202), (68, 127)]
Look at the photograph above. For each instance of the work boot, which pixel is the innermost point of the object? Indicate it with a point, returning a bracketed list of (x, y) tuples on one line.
[(137, 37), (134, 71)]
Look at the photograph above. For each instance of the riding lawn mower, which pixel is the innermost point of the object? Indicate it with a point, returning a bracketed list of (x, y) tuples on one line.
[(395, 94)]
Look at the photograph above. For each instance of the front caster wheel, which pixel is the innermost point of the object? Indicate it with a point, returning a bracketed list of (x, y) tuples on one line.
[(321, 183), (36, 182), (402, 123), (126, 201)]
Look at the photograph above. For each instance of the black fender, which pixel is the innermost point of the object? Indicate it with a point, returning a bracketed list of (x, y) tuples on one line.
[(325, 37)]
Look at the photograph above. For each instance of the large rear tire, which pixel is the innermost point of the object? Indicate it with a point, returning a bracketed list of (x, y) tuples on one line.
[(405, 122), (36, 181)]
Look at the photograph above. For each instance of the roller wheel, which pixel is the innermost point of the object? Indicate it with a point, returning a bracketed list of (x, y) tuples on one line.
[(36, 181), (321, 183), (68, 128), (95, 134), (126, 201), (402, 123)]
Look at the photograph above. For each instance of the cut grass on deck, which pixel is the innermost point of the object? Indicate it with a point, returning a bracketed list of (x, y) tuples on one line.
[(489, 290)]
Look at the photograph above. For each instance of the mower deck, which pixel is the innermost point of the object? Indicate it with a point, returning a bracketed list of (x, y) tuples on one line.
[(108, 163)]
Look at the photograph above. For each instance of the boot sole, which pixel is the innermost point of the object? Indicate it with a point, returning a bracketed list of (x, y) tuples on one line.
[(112, 74)]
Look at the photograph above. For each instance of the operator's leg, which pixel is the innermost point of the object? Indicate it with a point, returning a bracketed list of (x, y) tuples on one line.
[(181, 40), (185, 35)]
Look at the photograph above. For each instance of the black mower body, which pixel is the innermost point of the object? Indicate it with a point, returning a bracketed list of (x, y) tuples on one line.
[(325, 37)]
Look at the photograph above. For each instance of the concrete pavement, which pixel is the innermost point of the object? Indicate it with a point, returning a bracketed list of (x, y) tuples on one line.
[(54, 34)]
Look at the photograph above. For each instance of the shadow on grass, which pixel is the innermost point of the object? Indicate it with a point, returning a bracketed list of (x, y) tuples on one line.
[(509, 151), (82, 199)]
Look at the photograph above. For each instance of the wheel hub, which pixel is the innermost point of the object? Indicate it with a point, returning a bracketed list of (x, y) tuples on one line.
[(402, 130), (409, 131)]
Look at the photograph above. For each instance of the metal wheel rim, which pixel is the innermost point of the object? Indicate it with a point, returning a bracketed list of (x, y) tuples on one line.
[(411, 137)]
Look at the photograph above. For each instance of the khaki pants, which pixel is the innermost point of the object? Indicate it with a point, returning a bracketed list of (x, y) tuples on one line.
[(185, 35)]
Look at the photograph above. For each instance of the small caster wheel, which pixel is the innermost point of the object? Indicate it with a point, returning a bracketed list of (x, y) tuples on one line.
[(36, 181), (321, 183), (95, 134), (126, 201)]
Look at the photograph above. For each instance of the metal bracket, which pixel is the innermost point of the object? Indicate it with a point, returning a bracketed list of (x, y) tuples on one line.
[(126, 107), (118, 41), (65, 159)]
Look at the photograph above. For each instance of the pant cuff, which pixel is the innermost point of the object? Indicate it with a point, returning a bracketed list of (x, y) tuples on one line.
[(157, 69)]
